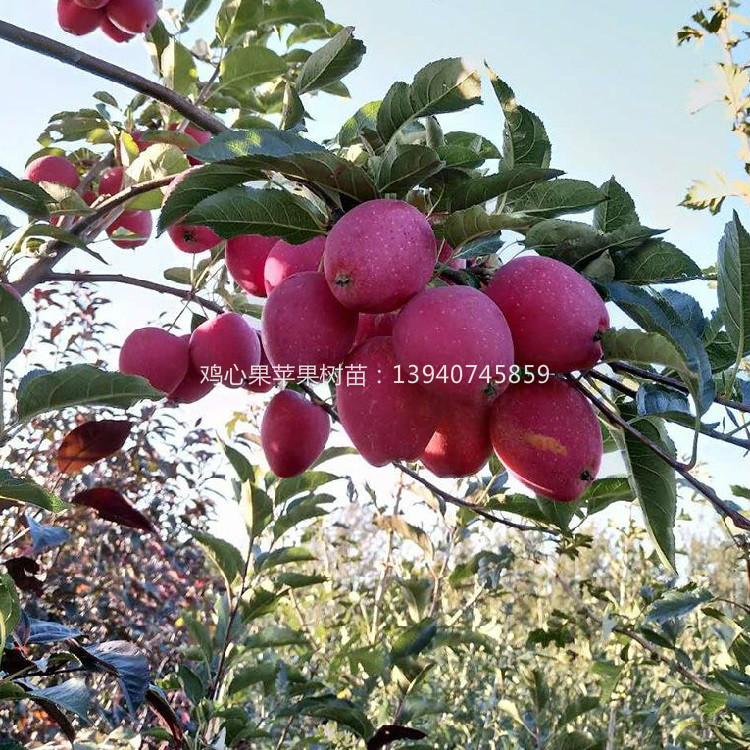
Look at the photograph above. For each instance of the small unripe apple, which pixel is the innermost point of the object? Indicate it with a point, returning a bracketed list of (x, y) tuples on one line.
[(193, 387), (293, 433), (304, 328), (116, 35), (379, 255), (111, 181), (548, 436), (461, 444), (133, 16), (285, 259), (226, 348), (138, 223), (386, 417), (370, 326), (53, 168), (456, 341), (245, 257), (76, 19), (554, 314), (157, 355)]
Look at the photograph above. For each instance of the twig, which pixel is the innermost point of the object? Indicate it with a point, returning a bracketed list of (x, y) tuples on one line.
[(673, 383), (442, 494), (187, 294), (615, 419), (58, 249), (72, 56)]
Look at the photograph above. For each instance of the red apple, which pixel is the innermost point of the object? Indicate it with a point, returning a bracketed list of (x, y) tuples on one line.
[(157, 355), (245, 257), (284, 260), (137, 223), (55, 169)]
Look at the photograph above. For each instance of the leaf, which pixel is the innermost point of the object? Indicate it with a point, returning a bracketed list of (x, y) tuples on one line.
[(159, 703), (564, 196), (335, 59), (653, 398), (653, 483), (404, 166), (362, 124), (406, 530), (125, 661), (81, 385), (244, 68), (193, 10), (45, 537), (23, 490), (257, 508), (442, 86), (227, 558), (275, 636), (14, 326), (6, 227), (283, 556), (733, 270), (178, 68), (110, 505), (301, 510), (329, 708), (292, 108), (463, 226), (298, 580), (657, 261), (266, 211), (652, 311), (482, 147), (241, 465), (45, 631), (23, 571), (525, 140), (507, 181), (617, 211), (390, 733), (24, 195), (414, 639), (307, 482), (10, 607), (677, 604), (72, 696), (157, 161), (90, 442)]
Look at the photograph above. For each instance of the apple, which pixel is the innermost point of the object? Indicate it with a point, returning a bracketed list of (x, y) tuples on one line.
[(53, 168), (157, 355), (138, 223), (285, 259), (245, 257)]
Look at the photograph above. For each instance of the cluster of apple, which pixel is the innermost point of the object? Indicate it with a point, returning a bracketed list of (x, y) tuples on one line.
[(120, 20), (443, 374)]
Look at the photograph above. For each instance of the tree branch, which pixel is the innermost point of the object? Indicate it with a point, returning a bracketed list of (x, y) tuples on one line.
[(58, 249), (678, 385), (442, 494), (615, 419), (186, 294), (71, 56)]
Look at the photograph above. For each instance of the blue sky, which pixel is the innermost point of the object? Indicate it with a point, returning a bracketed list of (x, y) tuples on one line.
[(606, 77)]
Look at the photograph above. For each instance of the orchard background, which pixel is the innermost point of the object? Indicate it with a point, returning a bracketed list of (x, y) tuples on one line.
[(160, 586)]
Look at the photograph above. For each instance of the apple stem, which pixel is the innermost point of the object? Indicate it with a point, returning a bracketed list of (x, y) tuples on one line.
[(78, 59), (617, 421)]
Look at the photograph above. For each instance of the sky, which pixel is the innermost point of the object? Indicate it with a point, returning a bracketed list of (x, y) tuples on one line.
[(607, 79)]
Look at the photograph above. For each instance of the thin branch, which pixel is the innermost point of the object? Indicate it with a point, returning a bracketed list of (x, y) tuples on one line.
[(442, 494), (678, 385), (58, 249), (615, 419), (187, 294), (72, 56)]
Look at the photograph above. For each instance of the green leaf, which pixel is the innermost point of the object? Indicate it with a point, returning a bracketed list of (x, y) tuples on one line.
[(733, 271), (6, 227), (225, 556), (307, 482), (178, 68), (23, 490), (329, 708), (157, 161), (257, 508), (400, 526), (58, 233), (482, 147), (235, 18), (508, 181), (275, 636), (653, 398), (404, 166), (308, 32), (414, 639), (278, 12), (24, 195), (292, 109), (442, 86), (72, 696), (301, 510), (10, 607), (14, 327), (335, 59), (244, 68), (462, 226), (362, 124), (603, 492), (283, 556), (267, 211), (653, 483), (652, 311), (617, 211), (551, 199), (298, 580), (81, 385), (525, 140), (241, 465), (194, 9), (677, 604), (657, 261)]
